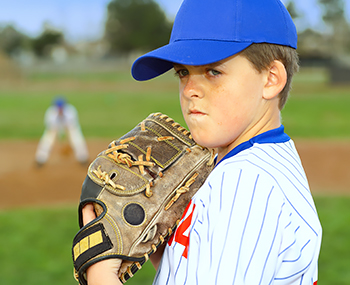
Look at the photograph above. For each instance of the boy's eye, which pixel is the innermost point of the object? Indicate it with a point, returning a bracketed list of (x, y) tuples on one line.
[(213, 72), (182, 72)]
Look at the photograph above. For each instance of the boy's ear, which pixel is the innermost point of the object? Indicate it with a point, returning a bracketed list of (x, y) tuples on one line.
[(276, 80)]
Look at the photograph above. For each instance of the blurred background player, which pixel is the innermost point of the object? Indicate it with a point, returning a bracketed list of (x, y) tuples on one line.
[(61, 120)]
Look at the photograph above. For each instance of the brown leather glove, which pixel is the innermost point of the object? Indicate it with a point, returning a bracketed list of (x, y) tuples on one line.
[(140, 187)]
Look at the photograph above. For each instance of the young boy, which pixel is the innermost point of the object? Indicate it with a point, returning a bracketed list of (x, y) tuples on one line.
[(254, 220)]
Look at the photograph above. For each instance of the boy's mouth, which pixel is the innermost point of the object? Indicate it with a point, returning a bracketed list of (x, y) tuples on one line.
[(195, 112)]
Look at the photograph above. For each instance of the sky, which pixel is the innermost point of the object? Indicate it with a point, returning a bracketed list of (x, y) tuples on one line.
[(84, 19)]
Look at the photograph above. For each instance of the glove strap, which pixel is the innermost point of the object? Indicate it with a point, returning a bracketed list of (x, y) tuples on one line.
[(88, 243)]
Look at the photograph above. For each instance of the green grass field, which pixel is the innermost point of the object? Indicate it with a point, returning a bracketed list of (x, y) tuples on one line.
[(36, 242), (36, 245), (109, 104)]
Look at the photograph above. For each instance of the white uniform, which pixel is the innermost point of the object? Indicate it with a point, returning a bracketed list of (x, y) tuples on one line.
[(252, 222), (58, 124)]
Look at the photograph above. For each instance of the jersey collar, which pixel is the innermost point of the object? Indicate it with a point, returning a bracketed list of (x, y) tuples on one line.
[(272, 136)]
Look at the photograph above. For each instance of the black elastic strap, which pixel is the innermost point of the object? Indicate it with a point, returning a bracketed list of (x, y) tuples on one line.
[(89, 243)]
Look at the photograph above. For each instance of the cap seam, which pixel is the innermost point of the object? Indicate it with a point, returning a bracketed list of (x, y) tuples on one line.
[(281, 6)]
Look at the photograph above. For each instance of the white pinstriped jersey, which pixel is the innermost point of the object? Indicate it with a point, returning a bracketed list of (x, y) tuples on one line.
[(252, 222)]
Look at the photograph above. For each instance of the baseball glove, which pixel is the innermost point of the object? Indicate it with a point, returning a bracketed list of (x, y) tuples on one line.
[(140, 187)]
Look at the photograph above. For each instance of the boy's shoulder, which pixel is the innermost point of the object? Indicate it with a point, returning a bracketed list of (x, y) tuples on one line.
[(266, 148), (264, 158), (274, 164), (260, 170)]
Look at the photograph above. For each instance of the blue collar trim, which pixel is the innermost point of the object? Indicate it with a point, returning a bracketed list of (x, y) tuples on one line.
[(273, 136)]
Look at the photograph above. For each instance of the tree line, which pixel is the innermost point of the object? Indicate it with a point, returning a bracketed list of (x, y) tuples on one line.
[(332, 40), (131, 25), (141, 25)]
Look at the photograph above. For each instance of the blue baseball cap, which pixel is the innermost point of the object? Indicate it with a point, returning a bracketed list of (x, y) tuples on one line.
[(207, 31), (59, 101)]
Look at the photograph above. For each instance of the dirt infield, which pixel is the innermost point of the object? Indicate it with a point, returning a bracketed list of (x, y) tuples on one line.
[(22, 183)]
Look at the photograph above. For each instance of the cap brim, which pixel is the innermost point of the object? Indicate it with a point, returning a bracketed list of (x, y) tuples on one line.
[(186, 52)]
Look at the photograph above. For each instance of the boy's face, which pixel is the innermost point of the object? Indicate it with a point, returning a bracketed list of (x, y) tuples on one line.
[(223, 103)]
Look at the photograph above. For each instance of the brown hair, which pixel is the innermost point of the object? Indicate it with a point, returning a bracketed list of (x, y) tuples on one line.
[(263, 54)]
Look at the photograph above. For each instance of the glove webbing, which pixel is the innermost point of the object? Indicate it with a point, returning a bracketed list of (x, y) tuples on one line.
[(124, 158)]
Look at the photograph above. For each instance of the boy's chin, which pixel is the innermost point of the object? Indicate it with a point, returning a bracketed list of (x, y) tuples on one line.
[(203, 142)]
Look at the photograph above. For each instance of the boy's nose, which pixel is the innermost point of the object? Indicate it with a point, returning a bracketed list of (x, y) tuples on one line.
[(193, 88)]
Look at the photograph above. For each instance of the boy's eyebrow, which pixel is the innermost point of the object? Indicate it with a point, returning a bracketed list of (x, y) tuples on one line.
[(216, 64), (212, 65)]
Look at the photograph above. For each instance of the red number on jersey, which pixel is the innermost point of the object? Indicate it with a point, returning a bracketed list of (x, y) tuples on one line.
[(179, 234)]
